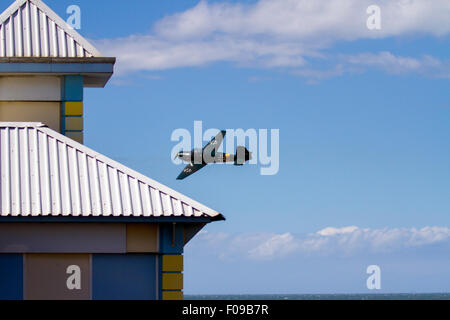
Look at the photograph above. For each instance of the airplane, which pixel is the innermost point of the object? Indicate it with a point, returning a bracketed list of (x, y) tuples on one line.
[(200, 158)]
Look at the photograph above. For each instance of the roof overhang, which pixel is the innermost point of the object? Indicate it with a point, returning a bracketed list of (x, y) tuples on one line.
[(56, 179), (101, 219), (96, 70)]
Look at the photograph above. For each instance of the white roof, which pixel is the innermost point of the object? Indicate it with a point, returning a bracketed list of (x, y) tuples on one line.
[(28, 28), (44, 173)]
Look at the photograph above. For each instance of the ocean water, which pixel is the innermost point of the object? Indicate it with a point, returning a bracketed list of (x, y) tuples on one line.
[(389, 296)]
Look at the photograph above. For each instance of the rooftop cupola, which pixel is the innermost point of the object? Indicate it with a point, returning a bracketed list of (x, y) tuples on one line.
[(44, 67)]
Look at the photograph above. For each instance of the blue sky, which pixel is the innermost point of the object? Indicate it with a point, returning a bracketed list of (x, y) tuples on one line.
[(364, 132)]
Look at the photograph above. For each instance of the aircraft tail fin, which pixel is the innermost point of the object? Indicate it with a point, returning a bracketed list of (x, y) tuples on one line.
[(242, 156)]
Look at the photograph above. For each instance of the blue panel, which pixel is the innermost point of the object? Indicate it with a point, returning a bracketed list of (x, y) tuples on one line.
[(73, 88), (124, 277), (11, 277), (171, 239)]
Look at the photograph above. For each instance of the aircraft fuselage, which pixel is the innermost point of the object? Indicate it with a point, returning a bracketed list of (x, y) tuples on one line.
[(197, 157)]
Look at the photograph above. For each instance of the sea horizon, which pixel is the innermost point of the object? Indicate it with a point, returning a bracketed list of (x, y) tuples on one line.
[(326, 296)]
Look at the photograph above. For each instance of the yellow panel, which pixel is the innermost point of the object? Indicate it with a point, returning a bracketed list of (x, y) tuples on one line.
[(172, 263), (77, 136), (74, 123), (48, 113), (73, 108), (142, 238), (172, 295), (172, 281)]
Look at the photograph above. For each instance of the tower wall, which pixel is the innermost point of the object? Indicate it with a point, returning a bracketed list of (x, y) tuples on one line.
[(56, 101)]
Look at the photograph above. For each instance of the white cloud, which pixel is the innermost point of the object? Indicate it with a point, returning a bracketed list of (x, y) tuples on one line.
[(275, 33), (138, 53), (328, 241), (398, 64), (280, 244), (334, 231), (307, 19), (385, 61)]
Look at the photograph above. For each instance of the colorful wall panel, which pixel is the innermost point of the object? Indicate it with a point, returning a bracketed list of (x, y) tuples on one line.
[(30, 88), (124, 277), (57, 276), (30, 111), (72, 107), (62, 238), (11, 283), (142, 238), (171, 238), (172, 277)]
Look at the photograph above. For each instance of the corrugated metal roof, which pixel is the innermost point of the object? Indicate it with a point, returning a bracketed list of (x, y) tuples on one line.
[(28, 28), (44, 173)]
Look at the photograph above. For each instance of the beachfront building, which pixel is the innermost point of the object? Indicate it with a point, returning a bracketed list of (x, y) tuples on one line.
[(75, 224)]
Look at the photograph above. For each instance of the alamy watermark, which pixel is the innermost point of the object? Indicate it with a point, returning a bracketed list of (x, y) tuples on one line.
[(374, 20), (74, 19), (259, 143), (74, 280), (374, 280)]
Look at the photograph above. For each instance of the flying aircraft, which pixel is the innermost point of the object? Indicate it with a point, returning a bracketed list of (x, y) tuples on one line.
[(200, 158)]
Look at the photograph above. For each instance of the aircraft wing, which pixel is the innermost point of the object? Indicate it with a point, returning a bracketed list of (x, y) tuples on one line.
[(215, 143), (190, 169)]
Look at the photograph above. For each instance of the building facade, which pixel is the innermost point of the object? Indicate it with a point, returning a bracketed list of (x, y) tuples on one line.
[(75, 224)]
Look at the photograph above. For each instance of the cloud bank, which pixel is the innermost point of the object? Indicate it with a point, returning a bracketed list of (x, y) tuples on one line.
[(347, 241), (280, 33)]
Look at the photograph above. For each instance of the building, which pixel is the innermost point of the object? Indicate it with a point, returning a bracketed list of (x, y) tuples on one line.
[(75, 224)]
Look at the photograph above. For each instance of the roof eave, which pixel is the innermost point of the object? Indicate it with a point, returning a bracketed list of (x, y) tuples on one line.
[(58, 60), (109, 219), (96, 70), (219, 217)]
